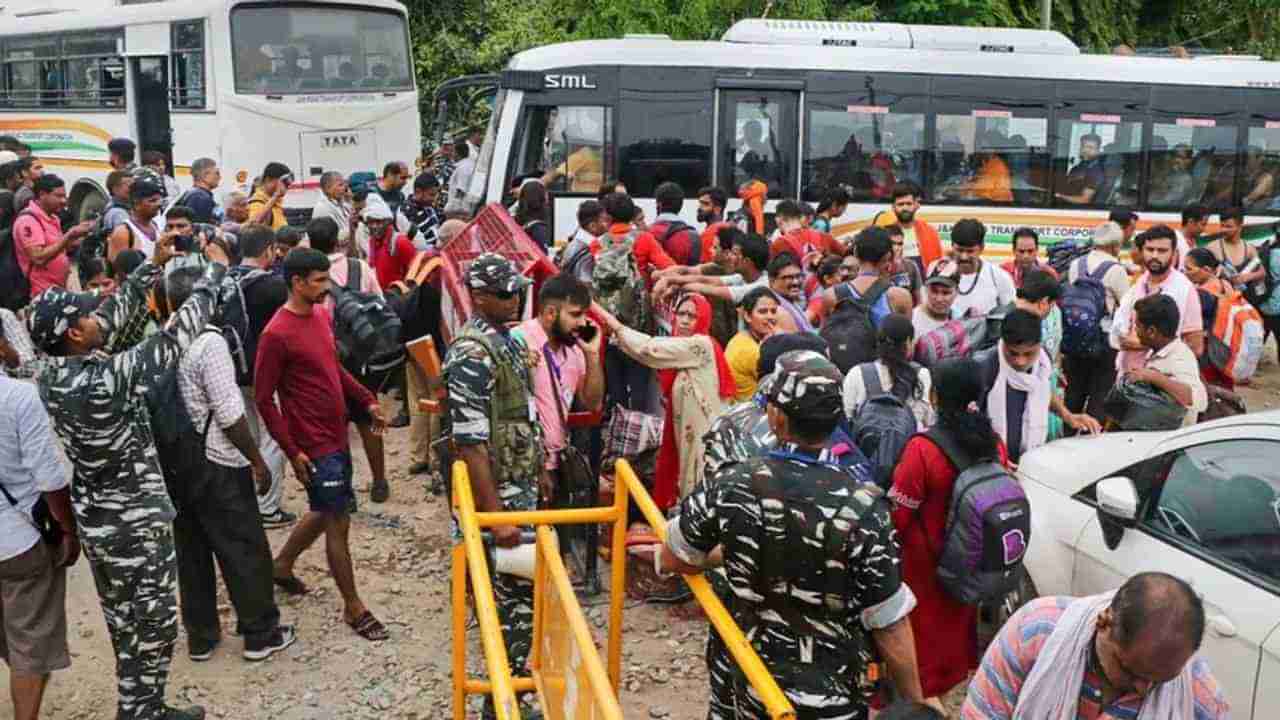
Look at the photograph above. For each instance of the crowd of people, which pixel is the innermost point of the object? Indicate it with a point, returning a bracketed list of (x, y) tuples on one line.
[(802, 406)]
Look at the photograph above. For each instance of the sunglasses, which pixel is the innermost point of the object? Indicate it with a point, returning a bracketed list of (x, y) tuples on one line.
[(502, 294)]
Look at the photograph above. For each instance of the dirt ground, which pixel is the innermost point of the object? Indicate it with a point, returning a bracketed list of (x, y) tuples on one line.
[(401, 552)]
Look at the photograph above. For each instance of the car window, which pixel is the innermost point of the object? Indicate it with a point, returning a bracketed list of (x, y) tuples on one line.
[(1224, 499)]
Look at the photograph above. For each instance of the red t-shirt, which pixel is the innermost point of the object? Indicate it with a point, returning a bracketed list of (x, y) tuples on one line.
[(680, 244), (803, 242), (297, 361), (391, 266)]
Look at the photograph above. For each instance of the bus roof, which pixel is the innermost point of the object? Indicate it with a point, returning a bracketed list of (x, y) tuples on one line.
[(664, 52), (61, 16)]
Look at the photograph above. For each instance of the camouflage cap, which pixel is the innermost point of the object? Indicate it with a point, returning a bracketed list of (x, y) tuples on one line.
[(804, 384), (55, 311), (495, 273)]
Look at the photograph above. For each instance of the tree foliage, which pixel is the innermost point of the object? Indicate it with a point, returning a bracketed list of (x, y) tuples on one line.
[(459, 37)]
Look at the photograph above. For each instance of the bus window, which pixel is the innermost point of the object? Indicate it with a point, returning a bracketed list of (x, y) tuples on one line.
[(865, 148), (1096, 160), (664, 139), (991, 156), (88, 55), (1193, 160), (34, 73), (566, 146), (287, 49), (1261, 183), (760, 136), (187, 65)]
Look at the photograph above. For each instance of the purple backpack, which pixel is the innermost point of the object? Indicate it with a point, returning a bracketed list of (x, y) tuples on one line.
[(988, 527), (1084, 305)]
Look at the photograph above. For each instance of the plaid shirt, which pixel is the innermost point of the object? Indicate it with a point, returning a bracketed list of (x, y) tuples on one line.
[(207, 381), (15, 333)]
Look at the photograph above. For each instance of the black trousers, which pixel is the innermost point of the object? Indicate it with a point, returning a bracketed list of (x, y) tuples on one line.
[(218, 518), (1089, 379)]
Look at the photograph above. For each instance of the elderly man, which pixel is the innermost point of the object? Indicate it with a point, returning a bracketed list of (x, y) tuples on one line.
[(335, 202), (1131, 653)]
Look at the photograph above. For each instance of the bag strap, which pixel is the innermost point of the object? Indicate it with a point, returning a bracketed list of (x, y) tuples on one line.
[(1101, 272), (871, 379), (354, 281), (955, 454), (873, 293), (555, 381)]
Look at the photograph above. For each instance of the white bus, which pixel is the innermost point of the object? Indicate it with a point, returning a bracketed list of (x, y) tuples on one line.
[(318, 85), (819, 104)]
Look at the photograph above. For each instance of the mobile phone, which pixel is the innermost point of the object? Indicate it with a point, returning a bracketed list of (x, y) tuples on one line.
[(287, 179), (587, 332), (184, 243)]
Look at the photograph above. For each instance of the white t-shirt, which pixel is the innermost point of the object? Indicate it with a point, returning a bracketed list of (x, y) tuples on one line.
[(983, 291), (924, 323), (854, 392)]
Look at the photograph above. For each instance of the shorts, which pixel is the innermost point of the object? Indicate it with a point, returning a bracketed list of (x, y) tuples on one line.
[(330, 490), (33, 614)]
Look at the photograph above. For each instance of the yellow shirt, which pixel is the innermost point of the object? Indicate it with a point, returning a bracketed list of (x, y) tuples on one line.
[(584, 169), (743, 355), (258, 201)]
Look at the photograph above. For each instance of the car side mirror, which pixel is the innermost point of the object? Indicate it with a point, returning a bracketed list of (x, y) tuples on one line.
[(1117, 508)]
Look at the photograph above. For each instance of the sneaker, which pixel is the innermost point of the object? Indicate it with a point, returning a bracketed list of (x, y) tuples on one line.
[(278, 519), (195, 712), (283, 637), (201, 650)]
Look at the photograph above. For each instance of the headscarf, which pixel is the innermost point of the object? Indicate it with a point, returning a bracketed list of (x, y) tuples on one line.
[(666, 476)]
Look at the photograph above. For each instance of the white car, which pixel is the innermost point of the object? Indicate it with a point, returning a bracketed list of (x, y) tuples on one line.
[(1201, 503)]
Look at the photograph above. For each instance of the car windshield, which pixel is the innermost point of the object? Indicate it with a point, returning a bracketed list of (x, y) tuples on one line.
[(299, 49)]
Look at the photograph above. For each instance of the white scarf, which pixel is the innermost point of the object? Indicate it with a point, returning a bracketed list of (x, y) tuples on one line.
[(1035, 415), (1052, 688)]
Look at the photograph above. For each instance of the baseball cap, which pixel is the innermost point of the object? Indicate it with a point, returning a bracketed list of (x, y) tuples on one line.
[(944, 273), (805, 384), (495, 273), (54, 311)]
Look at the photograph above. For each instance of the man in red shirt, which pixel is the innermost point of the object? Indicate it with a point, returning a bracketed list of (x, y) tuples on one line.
[(648, 253), (677, 238), (1026, 256), (390, 253), (38, 237), (297, 362)]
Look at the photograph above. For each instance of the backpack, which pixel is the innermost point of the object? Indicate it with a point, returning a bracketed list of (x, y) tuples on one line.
[(236, 328), (695, 243), (1234, 344), (1084, 305), (366, 327), (15, 288), (883, 425), (953, 339), (1063, 253), (172, 428), (850, 331), (1258, 292), (95, 244), (618, 285), (988, 527)]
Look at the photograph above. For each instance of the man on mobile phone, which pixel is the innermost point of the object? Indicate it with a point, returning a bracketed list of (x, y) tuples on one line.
[(267, 204)]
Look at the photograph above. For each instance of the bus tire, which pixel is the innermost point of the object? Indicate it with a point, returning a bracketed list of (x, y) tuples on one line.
[(85, 199)]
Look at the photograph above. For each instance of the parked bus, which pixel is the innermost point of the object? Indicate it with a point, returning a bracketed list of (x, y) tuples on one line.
[(1006, 125), (318, 85)]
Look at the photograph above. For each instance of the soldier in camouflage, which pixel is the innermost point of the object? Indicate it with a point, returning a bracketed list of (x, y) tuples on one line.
[(118, 493), (810, 555), (742, 432), (493, 425)]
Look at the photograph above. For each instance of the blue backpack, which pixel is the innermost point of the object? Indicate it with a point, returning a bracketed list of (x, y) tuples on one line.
[(883, 426), (1084, 305)]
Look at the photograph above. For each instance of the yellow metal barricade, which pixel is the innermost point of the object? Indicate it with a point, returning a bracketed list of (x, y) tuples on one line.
[(568, 675)]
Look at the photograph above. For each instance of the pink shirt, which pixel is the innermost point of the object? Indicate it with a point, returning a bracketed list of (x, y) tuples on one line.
[(37, 229), (1175, 285), (572, 367)]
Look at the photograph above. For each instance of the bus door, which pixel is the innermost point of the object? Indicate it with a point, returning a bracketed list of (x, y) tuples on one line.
[(759, 134), (147, 48)]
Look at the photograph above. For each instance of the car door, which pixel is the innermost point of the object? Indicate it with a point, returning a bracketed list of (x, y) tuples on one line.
[(1209, 512), (1267, 699)]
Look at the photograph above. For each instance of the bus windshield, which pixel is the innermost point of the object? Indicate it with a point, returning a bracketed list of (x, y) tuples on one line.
[(309, 49)]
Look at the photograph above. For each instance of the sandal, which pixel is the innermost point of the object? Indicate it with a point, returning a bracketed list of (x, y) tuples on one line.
[(380, 491), (291, 585), (369, 627)]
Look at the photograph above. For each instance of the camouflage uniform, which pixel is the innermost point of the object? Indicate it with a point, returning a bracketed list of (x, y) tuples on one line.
[(118, 492), (810, 557), (486, 372)]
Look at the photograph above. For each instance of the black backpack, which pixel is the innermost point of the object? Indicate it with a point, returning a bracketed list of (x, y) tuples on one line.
[(15, 289), (172, 428), (695, 244), (95, 243), (366, 327), (236, 328), (850, 331), (883, 425)]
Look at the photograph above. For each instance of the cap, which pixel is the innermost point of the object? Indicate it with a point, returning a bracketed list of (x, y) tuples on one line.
[(145, 186), (944, 273), (779, 344), (376, 208), (805, 385), (495, 273), (54, 311), (8, 156)]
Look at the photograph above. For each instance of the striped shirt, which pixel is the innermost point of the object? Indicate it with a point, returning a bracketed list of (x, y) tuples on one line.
[(993, 694)]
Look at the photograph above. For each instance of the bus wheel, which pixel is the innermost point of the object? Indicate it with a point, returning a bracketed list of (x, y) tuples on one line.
[(86, 202)]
